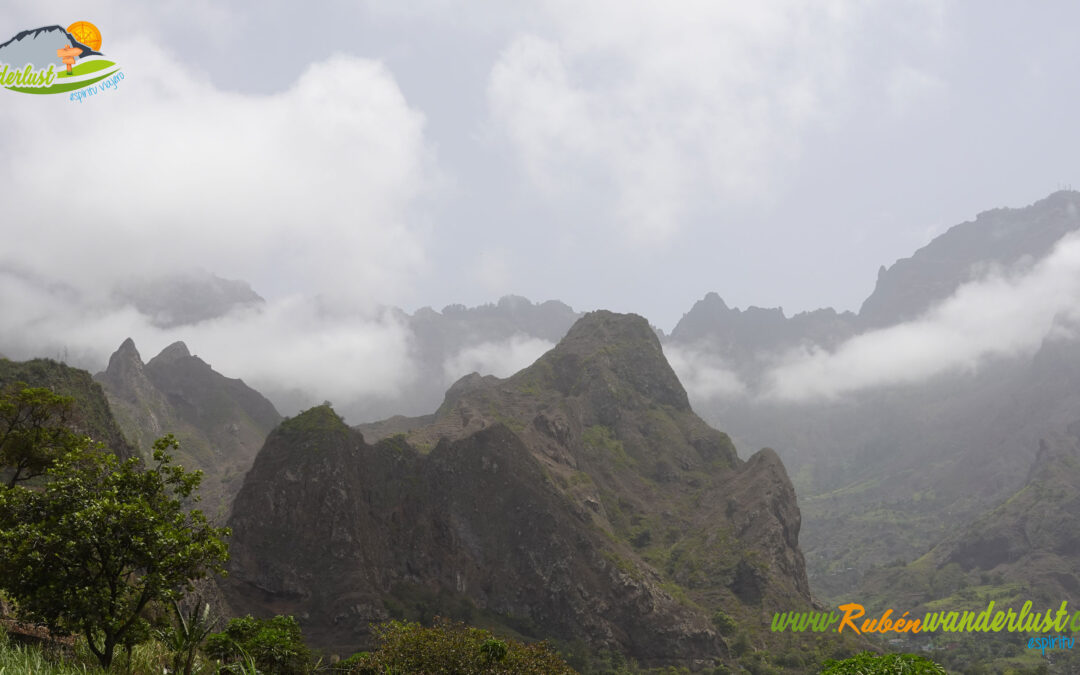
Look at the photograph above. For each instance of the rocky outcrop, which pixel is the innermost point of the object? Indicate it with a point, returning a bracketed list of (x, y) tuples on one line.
[(580, 498), (221, 422)]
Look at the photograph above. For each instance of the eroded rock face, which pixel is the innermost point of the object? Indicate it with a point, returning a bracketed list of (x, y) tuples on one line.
[(579, 498), (221, 422)]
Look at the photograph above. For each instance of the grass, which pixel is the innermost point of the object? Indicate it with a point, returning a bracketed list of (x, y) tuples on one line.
[(146, 659), (24, 659), (17, 658)]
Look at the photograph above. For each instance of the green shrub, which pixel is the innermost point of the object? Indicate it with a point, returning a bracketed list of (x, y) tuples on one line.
[(453, 648), (275, 645), (725, 625)]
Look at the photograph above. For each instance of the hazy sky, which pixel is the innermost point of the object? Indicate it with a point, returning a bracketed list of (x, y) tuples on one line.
[(624, 155)]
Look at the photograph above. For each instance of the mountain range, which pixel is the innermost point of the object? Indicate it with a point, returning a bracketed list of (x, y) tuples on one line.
[(580, 499), (883, 473), (220, 422)]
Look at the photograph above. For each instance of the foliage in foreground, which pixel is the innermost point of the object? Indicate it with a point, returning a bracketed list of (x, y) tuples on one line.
[(276, 646), (34, 431), (16, 658), (451, 648), (868, 663), (190, 629), (103, 540)]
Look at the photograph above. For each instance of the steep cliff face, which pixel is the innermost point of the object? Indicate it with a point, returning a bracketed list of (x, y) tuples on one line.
[(221, 422), (579, 498), (1002, 238)]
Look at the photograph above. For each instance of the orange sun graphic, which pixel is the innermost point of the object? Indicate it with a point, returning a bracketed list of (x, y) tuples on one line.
[(86, 33)]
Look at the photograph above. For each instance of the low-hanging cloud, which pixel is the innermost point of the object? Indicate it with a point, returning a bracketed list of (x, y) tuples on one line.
[(297, 349), (1002, 314), (499, 358), (705, 376)]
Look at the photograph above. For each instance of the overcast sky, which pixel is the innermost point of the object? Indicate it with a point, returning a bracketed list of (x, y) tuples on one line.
[(611, 154)]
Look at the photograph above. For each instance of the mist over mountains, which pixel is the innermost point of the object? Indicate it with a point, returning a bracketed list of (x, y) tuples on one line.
[(921, 434), (949, 334), (986, 290)]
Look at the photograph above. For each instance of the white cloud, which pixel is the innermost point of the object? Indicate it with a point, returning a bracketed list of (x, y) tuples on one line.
[(318, 185), (300, 345), (501, 359), (671, 109), (997, 315), (315, 195), (705, 376)]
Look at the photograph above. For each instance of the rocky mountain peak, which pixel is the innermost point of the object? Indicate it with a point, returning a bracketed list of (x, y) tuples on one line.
[(220, 422), (174, 352), (613, 359), (125, 377), (124, 360)]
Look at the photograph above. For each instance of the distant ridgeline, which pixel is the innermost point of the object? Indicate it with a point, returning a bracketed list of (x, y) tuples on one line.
[(885, 472)]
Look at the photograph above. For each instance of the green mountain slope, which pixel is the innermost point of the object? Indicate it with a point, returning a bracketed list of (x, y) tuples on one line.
[(92, 413)]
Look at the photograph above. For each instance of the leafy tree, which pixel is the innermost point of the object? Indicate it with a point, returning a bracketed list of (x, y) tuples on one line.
[(101, 541), (34, 431), (868, 663), (274, 645), (453, 648)]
